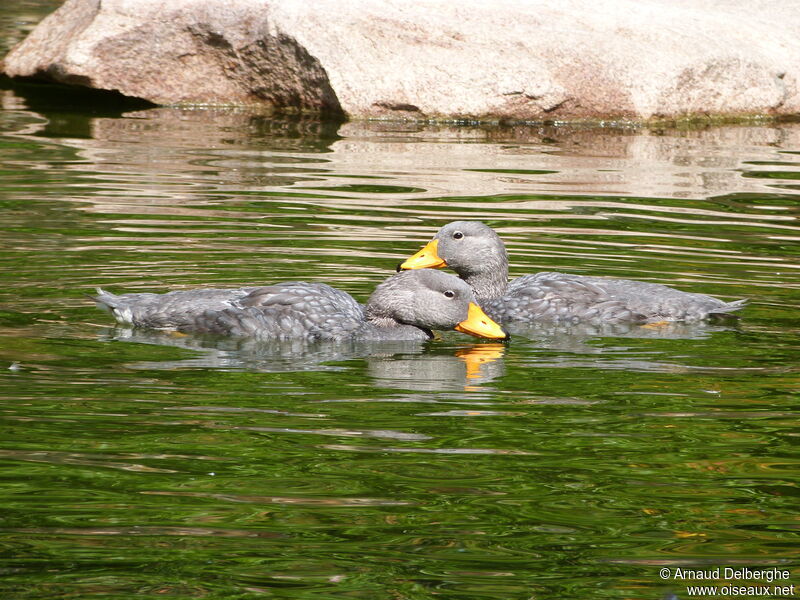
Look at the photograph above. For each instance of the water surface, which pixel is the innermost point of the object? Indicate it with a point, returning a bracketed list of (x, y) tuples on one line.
[(562, 465)]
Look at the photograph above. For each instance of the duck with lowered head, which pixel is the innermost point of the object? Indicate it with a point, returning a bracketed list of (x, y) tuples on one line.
[(406, 306)]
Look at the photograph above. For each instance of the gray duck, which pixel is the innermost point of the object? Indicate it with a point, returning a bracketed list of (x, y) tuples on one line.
[(406, 306), (478, 255)]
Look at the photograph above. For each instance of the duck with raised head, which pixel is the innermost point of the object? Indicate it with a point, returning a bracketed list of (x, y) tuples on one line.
[(478, 255), (406, 306)]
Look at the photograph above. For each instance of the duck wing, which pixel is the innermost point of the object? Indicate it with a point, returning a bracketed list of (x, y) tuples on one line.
[(559, 298), (291, 310), (565, 298), (658, 302)]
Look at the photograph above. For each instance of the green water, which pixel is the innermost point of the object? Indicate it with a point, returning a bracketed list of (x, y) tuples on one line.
[(560, 465)]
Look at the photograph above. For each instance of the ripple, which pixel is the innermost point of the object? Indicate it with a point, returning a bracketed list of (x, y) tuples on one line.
[(301, 501), (138, 463), (455, 451)]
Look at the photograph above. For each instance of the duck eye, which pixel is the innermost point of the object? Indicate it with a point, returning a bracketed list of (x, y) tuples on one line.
[(449, 294), (458, 235)]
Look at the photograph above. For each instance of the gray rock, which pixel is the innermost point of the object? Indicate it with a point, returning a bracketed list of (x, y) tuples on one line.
[(437, 59)]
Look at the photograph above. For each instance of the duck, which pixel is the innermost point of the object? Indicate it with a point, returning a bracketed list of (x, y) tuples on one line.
[(478, 255), (405, 307)]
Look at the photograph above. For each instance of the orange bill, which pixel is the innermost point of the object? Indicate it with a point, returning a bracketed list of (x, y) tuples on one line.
[(427, 258), (480, 325)]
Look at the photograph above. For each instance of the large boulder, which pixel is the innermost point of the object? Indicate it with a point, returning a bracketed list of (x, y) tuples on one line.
[(431, 59)]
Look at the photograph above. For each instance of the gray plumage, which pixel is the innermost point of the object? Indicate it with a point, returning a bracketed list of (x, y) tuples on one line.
[(404, 307), (474, 251)]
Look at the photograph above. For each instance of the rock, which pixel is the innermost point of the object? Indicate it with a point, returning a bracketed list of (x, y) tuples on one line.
[(184, 51), (436, 59)]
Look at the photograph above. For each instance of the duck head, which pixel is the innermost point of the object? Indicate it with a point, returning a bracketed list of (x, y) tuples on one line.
[(471, 249), (430, 299), (466, 247)]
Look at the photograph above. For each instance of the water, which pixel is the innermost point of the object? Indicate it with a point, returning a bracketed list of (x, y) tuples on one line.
[(560, 465)]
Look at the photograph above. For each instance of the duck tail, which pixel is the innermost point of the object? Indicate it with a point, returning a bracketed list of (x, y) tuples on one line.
[(114, 304), (105, 300), (722, 314), (732, 306)]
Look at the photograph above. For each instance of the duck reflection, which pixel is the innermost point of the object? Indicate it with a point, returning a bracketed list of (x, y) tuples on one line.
[(615, 347), (578, 338), (445, 365), (410, 365), (466, 368)]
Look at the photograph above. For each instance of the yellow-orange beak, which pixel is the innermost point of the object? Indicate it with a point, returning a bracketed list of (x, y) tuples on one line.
[(480, 325), (427, 258)]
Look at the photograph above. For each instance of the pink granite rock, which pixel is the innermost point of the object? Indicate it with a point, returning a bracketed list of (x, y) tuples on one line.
[(432, 59)]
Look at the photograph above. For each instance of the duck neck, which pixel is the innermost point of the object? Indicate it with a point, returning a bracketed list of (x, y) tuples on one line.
[(382, 326), (490, 282), (484, 267)]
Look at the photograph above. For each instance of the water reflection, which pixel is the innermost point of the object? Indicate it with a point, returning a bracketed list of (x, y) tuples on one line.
[(621, 346), (404, 365), (466, 369), (422, 366), (576, 337), (387, 158)]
